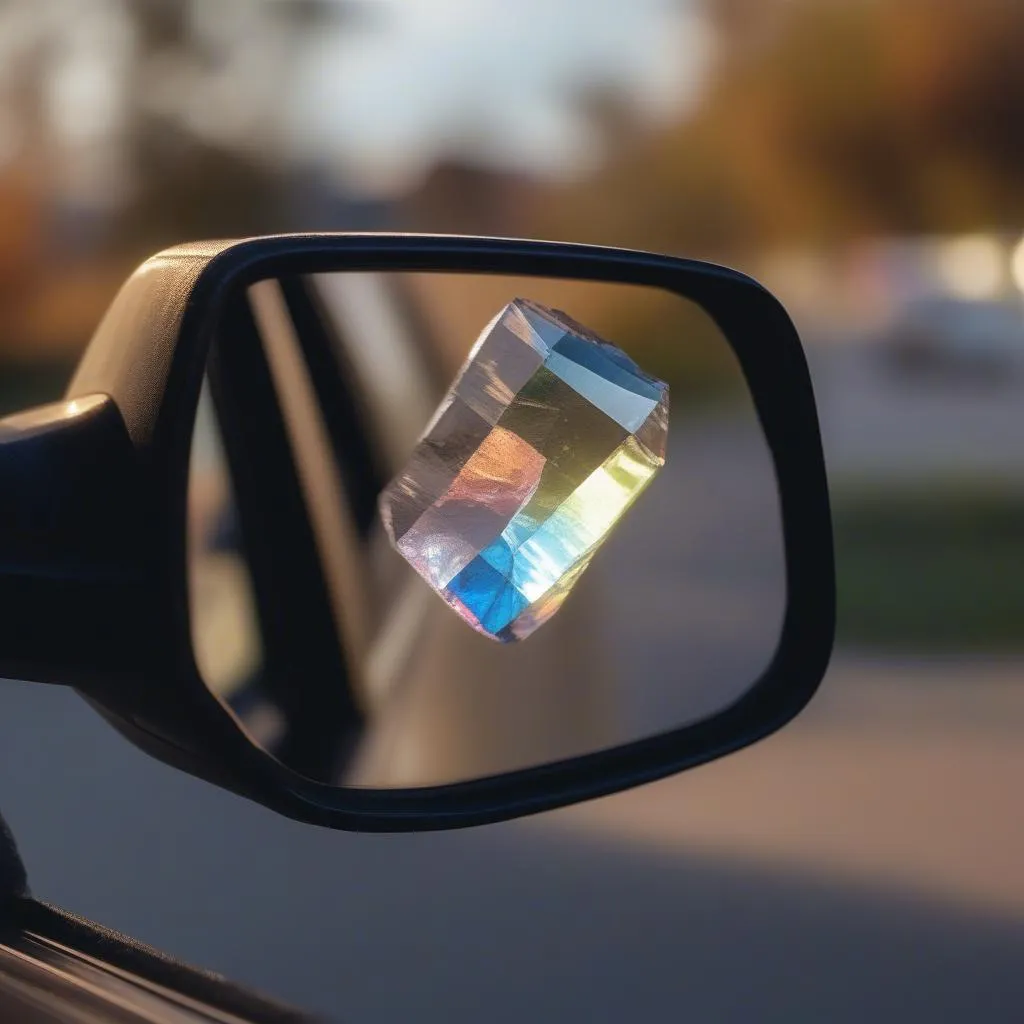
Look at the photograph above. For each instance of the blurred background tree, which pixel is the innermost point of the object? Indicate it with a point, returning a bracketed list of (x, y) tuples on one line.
[(823, 120), (127, 126)]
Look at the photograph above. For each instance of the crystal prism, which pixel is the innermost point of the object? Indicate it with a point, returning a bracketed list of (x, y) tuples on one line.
[(544, 440)]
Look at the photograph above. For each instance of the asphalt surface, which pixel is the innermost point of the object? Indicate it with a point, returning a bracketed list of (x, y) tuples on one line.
[(864, 864)]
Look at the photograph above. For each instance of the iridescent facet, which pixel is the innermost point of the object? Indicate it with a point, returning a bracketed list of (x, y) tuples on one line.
[(544, 440)]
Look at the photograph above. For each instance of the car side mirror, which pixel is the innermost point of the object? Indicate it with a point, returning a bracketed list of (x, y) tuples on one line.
[(255, 534)]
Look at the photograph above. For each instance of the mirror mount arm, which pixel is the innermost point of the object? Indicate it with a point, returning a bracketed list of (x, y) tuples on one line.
[(72, 544)]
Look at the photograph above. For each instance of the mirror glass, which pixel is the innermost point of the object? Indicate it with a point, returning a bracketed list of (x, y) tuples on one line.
[(337, 655)]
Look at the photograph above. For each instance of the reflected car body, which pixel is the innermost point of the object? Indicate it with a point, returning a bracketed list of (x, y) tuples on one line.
[(417, 657)]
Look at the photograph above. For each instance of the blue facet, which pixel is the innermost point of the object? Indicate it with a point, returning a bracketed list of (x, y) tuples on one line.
[(489, 595), (598, 359)]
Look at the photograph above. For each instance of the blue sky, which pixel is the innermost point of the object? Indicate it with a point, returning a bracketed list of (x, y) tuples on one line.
[(376, 100), (492, 80)]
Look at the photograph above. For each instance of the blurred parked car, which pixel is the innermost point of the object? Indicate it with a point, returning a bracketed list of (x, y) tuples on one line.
[(956, 338)]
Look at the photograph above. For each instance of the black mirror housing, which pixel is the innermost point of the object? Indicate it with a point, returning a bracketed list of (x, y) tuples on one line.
[(92, 524)]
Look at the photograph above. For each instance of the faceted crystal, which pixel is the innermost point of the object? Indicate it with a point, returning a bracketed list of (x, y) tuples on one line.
[(544, 440)]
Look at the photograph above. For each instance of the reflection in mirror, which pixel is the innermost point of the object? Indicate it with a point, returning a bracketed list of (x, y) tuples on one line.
[(335, 653), (225, 630)]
